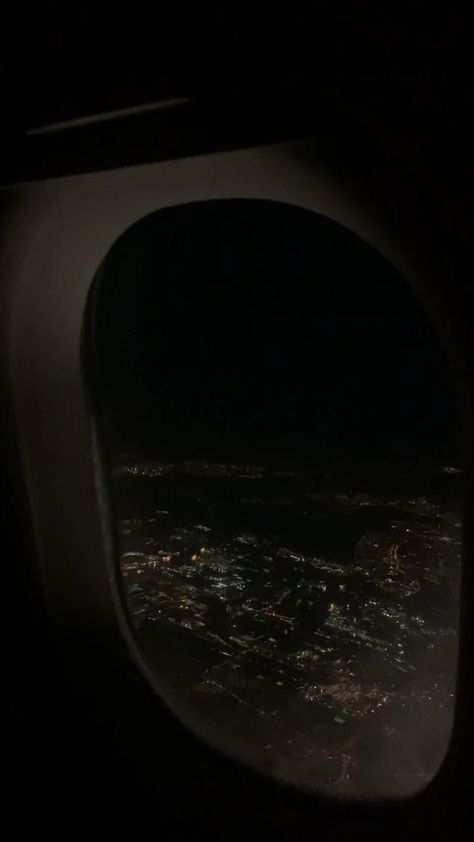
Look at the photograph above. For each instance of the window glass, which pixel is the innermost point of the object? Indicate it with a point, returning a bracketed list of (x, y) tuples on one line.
[(277, 420)]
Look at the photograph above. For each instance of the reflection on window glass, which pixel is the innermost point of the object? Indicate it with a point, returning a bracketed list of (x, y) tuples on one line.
[(278, 422)]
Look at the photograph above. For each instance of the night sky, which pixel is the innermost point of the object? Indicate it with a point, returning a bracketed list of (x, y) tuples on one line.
[(241, 329)]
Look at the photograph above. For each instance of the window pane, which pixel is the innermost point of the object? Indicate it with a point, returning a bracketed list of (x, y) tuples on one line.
[(277, 418)]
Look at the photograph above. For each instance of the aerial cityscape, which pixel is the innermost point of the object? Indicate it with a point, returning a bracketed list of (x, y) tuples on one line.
[(305, 626)]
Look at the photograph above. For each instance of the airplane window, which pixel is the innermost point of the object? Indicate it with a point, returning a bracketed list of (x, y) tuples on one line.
[(278, 425)]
